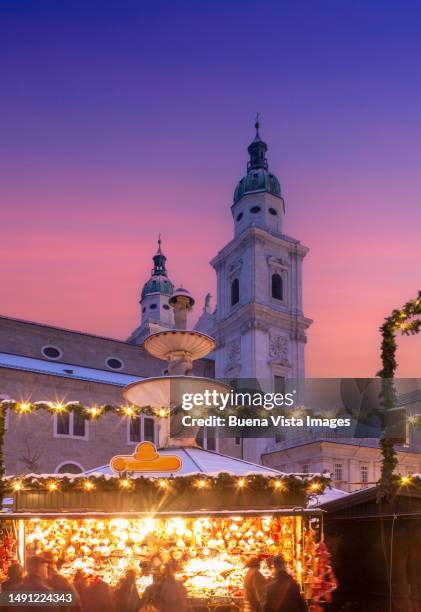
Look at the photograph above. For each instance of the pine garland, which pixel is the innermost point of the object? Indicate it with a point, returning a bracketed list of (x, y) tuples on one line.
[(402, 321), (256, 483)]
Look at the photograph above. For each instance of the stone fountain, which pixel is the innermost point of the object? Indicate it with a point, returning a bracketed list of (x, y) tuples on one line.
[(179, 348)]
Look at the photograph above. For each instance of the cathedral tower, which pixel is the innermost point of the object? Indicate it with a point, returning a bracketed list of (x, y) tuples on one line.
[(156, 313), (259, 322)]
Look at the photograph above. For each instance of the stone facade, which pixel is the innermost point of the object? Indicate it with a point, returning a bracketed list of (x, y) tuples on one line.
[(352, 466), (31, 441)]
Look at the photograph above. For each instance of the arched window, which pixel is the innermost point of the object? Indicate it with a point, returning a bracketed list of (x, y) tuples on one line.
[(70, 467), (235, 291), (277, 287)]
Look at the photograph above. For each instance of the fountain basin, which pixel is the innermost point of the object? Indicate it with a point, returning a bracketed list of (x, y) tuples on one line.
[(175, 342), (167, 391)]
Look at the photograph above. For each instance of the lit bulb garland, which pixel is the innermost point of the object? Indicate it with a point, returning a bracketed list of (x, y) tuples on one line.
[(156, 487), (404, 321)]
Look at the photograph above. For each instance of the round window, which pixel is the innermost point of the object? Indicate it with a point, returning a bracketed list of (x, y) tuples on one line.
[(239, 216), (165, 307), (255, 209), (152, 306), (114, 363), (51, 352), (273, 211)]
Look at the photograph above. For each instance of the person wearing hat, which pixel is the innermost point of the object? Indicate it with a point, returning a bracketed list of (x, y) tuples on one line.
[(254, 587), (57, 582), (283, 594), (36, 580)]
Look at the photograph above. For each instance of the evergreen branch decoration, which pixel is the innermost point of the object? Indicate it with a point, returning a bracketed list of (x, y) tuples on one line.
[(157, 487), (402, 321)]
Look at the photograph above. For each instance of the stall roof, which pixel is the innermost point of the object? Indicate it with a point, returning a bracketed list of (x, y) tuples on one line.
[(199, 461), (65, 370)]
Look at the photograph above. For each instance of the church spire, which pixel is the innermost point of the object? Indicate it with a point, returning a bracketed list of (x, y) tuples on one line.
[(257, 150), (159, 260)]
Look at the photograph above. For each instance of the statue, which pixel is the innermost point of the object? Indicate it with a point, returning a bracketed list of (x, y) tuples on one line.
[(206, 307)]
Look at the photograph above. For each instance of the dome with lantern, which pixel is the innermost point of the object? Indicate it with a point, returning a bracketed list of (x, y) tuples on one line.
[(159, 281), (258, 177)]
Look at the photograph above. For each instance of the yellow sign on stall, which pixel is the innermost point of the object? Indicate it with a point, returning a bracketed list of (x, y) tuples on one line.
[(146, 459)]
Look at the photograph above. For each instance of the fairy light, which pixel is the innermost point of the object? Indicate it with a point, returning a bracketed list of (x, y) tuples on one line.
[(94, 411), (128, 411), (59, 407), (23, 407), (17, 485), (278, 485), (163, 484), (201, 484), (162, 413), (405, 480), (315, 486), (88, 485), (125, 483), (52, 486), (241, 483)]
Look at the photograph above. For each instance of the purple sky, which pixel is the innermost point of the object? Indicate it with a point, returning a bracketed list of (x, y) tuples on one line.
[(120, 120)]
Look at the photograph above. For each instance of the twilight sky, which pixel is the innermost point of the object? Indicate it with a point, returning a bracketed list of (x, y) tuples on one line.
[(121, 119)]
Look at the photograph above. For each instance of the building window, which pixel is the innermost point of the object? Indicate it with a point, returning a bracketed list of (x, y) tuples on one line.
[(338, 472), (277, 287), (279, 384), (239, 216), (165, 307), (235, 291), (149, 429), (69, 468), (51, 352), (71, 425), (255, 209), (364, 473), (207, 438), (237, 440), (305, 468), (279, 438), (273, 212), (114, 363), (141, 428), (153, 306)]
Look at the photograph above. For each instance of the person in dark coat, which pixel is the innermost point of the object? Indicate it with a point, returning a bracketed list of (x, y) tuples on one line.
[(14, 577), (254, 587), (59, 583), (283, 593), (151, 593), (126, 595), (98, 597), (172, 595), (36, 580)]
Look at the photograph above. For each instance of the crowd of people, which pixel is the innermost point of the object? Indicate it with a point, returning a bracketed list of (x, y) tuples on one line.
[(280, 593)]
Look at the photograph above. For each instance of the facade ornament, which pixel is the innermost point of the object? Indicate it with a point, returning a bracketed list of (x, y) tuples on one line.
[(278, 347), (234, 350)]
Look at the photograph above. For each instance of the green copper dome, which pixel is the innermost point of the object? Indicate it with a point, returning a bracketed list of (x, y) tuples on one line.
[(258, 177), (159, 281)]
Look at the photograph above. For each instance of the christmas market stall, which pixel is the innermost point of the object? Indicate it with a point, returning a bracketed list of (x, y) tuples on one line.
[(206, 524)]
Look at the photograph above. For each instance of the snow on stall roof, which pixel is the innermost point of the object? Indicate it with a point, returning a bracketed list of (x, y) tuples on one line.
[(196, 460), (329, 494), (54, 368)]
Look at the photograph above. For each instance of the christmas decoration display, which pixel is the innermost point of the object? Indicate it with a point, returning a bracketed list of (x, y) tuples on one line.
[(7, 551), (209, 553), (323, 581)]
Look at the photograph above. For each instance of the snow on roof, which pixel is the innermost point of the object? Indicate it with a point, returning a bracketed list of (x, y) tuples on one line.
[(65, 370), (327, 496), (196, 460)]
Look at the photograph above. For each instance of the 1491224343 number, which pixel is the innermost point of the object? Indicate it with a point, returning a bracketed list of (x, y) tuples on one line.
[(38, 597)]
